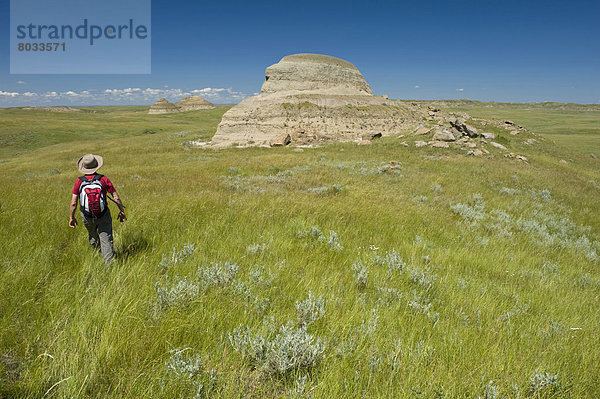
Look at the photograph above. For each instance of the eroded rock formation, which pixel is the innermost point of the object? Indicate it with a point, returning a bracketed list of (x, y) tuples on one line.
[(313, 99), (193, 103), (163, 106)]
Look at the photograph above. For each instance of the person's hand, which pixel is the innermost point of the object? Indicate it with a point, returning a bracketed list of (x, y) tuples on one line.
[(72, 223), (122, 216)]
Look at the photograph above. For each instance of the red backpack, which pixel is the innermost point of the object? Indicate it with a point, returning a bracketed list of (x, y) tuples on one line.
[(92, 199)]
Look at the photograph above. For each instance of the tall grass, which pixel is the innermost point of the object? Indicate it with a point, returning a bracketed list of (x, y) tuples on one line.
[(235, 278)]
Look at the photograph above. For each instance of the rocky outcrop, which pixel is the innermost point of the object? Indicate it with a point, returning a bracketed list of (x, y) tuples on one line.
[(193, 103), (460, 126), (281, 141), (497, 145), (163, 106), (444, 135), (512, 155), (422, 130), (315, 99), (439, 144)]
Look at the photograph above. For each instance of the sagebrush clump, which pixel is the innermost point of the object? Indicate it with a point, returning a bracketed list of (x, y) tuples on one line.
[(310, 310), (289, 349)]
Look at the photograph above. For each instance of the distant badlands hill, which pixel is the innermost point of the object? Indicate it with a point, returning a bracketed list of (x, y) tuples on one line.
[(493, 104), (192, 103), (55, 108)]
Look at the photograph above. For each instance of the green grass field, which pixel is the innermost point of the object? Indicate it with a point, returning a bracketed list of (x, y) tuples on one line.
[(336, 272), (24, 130), (572, 125)]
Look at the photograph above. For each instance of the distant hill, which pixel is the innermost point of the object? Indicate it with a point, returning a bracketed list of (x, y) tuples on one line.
[(492, 104)]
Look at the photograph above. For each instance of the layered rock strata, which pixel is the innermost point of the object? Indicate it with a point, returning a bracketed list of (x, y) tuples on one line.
[(193, 103), (313, 99), (163, 106)]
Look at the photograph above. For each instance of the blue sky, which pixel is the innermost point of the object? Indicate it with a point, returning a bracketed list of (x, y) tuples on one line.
[(491, 51)]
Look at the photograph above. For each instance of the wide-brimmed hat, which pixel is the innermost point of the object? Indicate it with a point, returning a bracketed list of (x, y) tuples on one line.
[(89, 163)]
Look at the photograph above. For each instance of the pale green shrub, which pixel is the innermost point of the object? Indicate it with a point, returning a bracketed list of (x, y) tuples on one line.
[(310, 310), (361, 274), (177, 256), (542, 382), (290, 349)]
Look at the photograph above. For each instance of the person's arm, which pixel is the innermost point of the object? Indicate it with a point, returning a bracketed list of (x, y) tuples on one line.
[(119, 203), (72, 208)]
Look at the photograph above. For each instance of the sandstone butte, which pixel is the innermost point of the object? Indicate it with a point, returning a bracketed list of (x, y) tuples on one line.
[(191, 103), (163, 106), (314, 99)]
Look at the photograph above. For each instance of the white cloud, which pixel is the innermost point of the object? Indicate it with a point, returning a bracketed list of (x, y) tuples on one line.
[(217, 93), (417, 86), (460, 89), (152, 92), (20, 82), (118, 96)]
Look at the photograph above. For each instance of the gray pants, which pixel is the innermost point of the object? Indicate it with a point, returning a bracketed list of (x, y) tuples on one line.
[(100, 234)]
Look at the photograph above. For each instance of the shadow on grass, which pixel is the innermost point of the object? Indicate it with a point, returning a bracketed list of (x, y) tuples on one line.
[(131, 244)]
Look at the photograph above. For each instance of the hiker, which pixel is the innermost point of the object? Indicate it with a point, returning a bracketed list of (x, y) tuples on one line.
[(90, 191)]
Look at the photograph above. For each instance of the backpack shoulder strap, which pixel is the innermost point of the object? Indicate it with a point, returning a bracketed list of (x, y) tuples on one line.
[(98, 177), (83, 178)]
